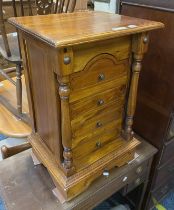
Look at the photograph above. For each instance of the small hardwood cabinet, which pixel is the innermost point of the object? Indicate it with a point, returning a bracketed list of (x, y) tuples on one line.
[(82, 73)]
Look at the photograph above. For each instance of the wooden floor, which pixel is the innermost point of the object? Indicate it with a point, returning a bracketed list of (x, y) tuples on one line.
[(9, 124)]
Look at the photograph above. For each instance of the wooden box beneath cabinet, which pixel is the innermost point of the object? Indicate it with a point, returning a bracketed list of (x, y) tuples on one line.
[(82, 92)]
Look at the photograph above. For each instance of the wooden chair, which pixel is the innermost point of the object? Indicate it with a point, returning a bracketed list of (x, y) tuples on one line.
[(10, 123), (9, 45)]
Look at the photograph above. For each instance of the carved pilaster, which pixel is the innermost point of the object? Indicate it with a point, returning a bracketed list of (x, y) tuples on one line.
[(64, 92), (139, 47)]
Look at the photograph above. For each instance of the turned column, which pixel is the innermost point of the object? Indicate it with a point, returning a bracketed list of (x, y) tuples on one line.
[(139, 47), (64, 92), (19, 88)]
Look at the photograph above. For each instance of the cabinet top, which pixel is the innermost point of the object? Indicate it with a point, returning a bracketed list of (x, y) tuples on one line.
[(61, 30)]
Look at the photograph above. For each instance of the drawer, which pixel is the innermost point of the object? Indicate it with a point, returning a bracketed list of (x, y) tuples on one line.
[(119, 48), (99, 72), (114, 125), (117, 144), (90, 145), (77, 95), (139, 176), (98, 101), (165, 172), (167, 151), (95, 121)]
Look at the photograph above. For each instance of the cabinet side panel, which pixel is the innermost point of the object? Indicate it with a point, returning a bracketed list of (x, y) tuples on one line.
[(45, 96)]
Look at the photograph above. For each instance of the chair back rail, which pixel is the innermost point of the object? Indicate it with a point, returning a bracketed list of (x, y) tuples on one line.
[(24, 8), (3, 31), (43, 7), (33, 7)]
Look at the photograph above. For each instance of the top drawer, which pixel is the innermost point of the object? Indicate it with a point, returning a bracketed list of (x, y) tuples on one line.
[(119, 47), (99, 70)]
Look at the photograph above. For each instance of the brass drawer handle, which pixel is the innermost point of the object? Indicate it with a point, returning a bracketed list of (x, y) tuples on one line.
[(98, 144), (100, 102), (99, 124), (101, 77)]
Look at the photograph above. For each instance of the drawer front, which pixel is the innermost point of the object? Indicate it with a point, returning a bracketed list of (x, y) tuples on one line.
[(119, 47), (165, 172), (76, 96), (98, 101), (167, 153), (116, 124), (95, 122), (139, 176), (117, 144), (97, 141), (99, 72)]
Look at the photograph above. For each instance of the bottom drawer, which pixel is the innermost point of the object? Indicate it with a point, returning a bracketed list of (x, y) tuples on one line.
[(139, 176), (132, 178), (116, 153)]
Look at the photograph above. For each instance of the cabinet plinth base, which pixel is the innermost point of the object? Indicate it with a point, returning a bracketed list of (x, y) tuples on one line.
[(70, 187)]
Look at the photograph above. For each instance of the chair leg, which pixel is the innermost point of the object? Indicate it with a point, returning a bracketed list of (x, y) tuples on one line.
[(10, 151), (19, 88)]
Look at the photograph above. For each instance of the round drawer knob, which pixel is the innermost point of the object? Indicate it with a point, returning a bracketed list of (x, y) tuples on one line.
[(98, 144), (146, 40), (138, 181), (125, 179), (101, 77), (106, 173), (139, 170), (99, 124), (100, 102), (67, 60)]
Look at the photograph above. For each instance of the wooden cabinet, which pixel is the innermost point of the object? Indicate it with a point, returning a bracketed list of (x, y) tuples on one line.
[(82, 92), (154, 117)]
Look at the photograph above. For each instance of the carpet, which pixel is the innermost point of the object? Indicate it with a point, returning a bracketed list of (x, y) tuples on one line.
[(2, 137), (2, 207), (168, 201)]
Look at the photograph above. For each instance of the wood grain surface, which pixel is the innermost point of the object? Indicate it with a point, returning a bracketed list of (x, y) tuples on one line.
[(80, 27), (11, 126)]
